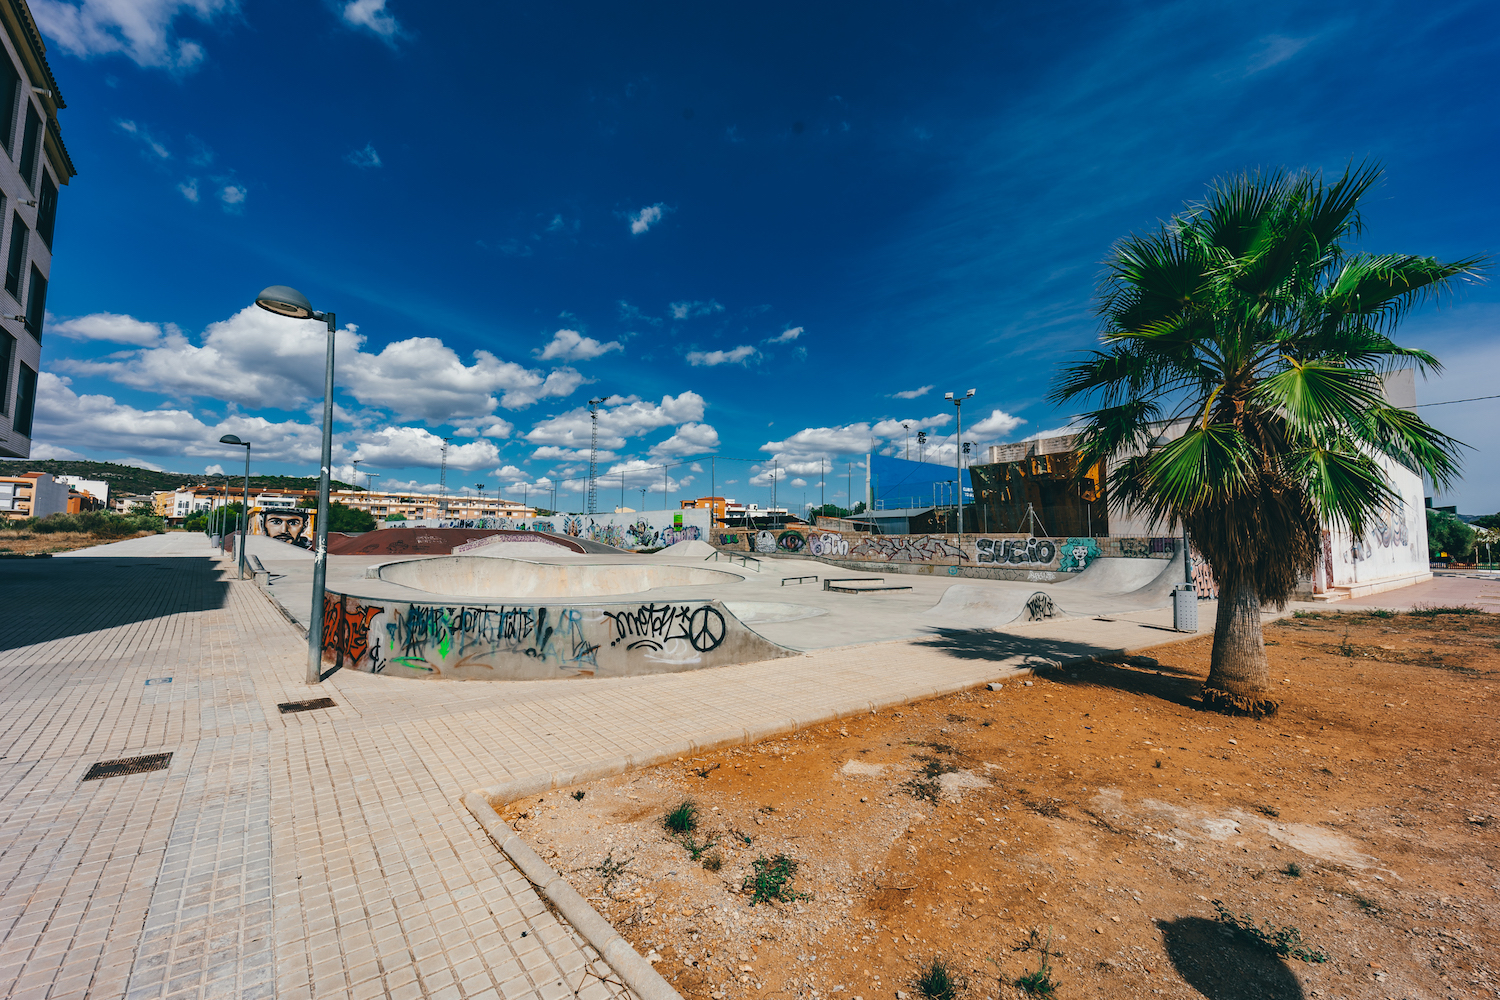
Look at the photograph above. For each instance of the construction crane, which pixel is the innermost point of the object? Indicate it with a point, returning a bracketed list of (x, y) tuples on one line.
[(592, 503)]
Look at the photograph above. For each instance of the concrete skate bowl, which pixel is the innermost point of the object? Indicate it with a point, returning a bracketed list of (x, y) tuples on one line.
[(431, 541), (1106, 586), (535, 640), (486, 576)]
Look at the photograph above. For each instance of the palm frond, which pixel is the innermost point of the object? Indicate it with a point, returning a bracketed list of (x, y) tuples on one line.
[(1316, 397), (1382, 288), (1405, 437), (1346, 487)]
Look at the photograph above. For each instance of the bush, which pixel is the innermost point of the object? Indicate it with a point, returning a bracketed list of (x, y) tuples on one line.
[(1448, 537), (99, 523), (395, 517), (342, 517)]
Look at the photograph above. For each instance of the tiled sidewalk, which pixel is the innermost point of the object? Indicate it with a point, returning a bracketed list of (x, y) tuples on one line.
[(327, 854)]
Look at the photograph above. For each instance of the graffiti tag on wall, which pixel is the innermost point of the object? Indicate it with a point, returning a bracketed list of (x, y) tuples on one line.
[(827, 544), (905, 548), (1017, 551), (434, 640), (1076, 554)]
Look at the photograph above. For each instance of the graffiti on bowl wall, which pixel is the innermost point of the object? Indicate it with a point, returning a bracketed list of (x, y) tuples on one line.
[(1018, 551), (828, 544), (905, 548), (1075, 554)]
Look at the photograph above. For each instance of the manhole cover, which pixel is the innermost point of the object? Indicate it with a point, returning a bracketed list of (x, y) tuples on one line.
[(128, 765), (305, 706)]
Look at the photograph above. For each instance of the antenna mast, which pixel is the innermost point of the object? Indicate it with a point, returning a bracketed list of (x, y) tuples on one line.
[(593, 499)]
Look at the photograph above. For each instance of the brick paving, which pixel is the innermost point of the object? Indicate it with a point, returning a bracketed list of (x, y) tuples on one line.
[(327, 853)]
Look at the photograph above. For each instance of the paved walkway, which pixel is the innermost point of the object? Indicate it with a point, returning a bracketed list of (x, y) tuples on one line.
[(327, 853)]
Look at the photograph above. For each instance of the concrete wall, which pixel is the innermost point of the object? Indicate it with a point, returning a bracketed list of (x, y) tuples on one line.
[(1392, 549), (645, 529), (497, 642), (49, 497)]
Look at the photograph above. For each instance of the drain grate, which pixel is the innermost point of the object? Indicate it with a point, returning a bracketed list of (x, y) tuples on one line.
[(305, 706), (128, 765)]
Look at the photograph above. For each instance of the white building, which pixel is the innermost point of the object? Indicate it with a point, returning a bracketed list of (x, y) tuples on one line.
[(96, 488), (33, 162)]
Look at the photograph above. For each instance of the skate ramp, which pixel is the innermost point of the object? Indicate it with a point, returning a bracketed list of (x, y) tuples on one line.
[(588, 545), (421, 541), (534, 640), (522, 580), (1107, 586), (519, 544), (691, 548)]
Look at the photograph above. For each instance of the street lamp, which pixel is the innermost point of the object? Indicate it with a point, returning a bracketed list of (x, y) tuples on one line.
[(245, 513), (284, 301), (921, 446), (958, 464)]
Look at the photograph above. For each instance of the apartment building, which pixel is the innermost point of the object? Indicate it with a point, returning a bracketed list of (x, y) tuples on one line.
[(32, 494), (382, 504), (33, 165)]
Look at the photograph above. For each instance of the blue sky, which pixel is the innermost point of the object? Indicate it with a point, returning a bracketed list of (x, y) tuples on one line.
[(771, 235)]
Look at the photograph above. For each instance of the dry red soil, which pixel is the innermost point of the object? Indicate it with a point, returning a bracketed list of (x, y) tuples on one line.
[(1086, 820)]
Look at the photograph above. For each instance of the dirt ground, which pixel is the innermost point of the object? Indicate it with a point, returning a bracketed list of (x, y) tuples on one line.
[(1086, 820), (29, 543)]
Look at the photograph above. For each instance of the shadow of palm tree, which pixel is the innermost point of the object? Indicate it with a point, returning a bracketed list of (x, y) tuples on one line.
[(1221, 966), (1169, 683)]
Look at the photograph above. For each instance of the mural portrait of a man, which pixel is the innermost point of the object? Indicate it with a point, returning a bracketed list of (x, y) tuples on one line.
[(286, 525)]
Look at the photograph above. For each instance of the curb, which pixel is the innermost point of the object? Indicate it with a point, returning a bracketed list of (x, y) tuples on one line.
[(617, 952)]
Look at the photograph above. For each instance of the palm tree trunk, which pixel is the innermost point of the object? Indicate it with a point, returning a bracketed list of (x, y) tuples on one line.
[(1239, 675)]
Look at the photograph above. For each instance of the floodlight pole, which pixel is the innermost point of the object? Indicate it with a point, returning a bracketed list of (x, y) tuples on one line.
[(958, 466)]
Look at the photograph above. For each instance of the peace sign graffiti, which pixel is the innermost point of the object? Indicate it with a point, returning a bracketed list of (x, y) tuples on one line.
[(706, 628)]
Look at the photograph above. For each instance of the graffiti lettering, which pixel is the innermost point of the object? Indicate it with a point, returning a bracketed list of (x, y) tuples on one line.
[(1020, 551), (1039, 606), (346, 630), (654, 625), (905, 548), (1134, 548), (765, 542), (828, 545)]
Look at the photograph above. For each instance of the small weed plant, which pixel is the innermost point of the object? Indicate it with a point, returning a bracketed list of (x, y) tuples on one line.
[(1285, 942), (1381, 613), (1368, 905), (1293, 869), (936, 982), (1039, 981), (713, 861), (1433, 610), (771, 878), (578, 796), (609, 869), (683, 819)]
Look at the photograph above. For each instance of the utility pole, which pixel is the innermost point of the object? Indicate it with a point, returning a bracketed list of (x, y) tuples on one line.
[(907, 453), (921, 446), (664, 504), (593, 498), (356, 472), (443, 476)]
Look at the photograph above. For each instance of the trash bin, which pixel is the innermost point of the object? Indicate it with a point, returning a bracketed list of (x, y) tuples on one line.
[(1185, 608)]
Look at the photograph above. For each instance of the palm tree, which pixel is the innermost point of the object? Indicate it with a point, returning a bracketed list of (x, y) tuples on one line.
[(1239, 390)]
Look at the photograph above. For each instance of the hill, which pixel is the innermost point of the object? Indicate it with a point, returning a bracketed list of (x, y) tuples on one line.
[(130, 479)]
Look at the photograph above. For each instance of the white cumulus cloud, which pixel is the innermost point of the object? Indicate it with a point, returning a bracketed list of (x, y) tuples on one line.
[(687, 310), (407, 447), (786, 336), (189, 189), (113, 327), (912, 393), (736, 356), (620, 417), (570, 345), (997, 424), (257, 359), (233, 196), (142, 30), (647, 217), (689, 439), (372, 14)]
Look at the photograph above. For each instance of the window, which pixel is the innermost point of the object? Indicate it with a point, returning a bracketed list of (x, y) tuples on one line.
[(15, 264), (36, 303), (7, 361), (10, 90), (27, 162), (25, 400), (46, 209)]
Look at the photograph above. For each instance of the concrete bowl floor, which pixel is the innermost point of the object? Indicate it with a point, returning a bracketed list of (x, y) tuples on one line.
[(798, 615)]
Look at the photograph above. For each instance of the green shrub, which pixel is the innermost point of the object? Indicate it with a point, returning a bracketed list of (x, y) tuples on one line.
[(936, 982), (99, 523), (683, 819)]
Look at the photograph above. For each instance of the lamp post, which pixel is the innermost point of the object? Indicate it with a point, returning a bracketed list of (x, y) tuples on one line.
[(921, 446), (245, 512), (284, 301), (958, 465)]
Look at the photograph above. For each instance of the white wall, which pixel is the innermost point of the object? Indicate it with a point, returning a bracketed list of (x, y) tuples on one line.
[(1395, 545)]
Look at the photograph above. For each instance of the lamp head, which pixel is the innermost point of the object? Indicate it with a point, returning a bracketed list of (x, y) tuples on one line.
[(947, 395), (230, 439), (284, 301), (970, 393)]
